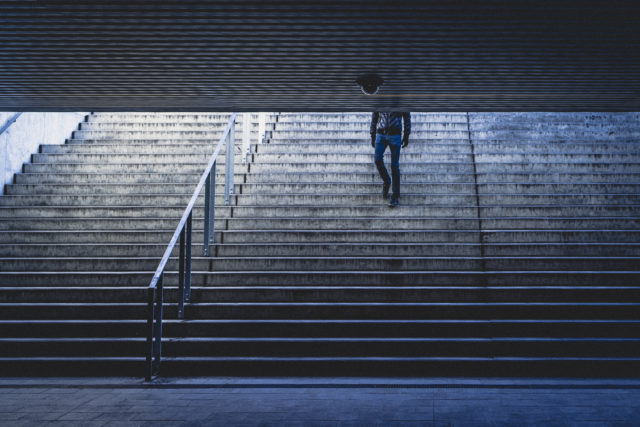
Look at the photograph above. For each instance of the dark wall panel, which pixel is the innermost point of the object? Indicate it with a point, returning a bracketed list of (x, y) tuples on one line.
[(298, 55)]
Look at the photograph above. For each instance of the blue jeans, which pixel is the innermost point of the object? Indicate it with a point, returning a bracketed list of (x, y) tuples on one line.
[(394, 142)]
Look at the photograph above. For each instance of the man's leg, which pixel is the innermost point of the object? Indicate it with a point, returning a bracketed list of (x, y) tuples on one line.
[(378, 158), (394, 147)]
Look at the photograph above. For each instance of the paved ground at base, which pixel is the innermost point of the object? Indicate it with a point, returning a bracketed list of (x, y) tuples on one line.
[(321, 402)]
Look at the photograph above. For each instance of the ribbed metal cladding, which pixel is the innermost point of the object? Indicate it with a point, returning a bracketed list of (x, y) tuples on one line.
[(239, 55)]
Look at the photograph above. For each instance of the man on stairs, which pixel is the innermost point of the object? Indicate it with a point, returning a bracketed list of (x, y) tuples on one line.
[(386, 129)]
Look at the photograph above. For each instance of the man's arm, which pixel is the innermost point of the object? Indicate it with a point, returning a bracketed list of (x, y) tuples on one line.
[(373, 128), (406, 118)]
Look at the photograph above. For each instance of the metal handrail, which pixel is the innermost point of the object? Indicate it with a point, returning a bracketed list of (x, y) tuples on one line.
[(9, 122), (155, 291)]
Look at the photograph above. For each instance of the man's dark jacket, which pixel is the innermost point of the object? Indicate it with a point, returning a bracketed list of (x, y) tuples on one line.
[(390, 124)]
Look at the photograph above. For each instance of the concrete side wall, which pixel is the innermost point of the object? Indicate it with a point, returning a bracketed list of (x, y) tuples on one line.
[(24, 136)]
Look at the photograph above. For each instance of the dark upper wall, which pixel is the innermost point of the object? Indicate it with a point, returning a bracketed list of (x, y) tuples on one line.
[(301, 55)]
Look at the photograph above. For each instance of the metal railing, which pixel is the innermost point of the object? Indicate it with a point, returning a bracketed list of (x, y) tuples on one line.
[(155, 291), (9, 122)]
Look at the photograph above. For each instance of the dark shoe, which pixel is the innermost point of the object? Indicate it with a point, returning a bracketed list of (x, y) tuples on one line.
[(393, 203), (385, 189)]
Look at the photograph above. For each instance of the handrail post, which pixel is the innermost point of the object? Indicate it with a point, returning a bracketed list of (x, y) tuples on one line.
[(157, 348), (246, 137), (209, 209), (181, 273), (151, 297), (228, 176), (261, 127), (184, 233), (187, 281)]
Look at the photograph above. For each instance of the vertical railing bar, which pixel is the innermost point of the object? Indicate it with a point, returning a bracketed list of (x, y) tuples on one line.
[(183, 232), (181, 273), (227, 167), (151, 295), (207, 212), (158, 324), (212, 210), (187, 281), (232, 163)]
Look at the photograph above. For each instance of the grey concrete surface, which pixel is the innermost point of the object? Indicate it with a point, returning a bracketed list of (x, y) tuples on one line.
[(319, 402), (24, 136)]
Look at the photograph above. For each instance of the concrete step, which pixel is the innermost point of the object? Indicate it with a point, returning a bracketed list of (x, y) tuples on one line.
[(362, 134), (328, 158), (325, 347), (118, 178), (429, 167), (465, 177), (553, 117), (158, 117), (333, 310), (324, 328), (330, 278), (417, 249), (365, 118), (113, 224), (124, 148), (454, 211), (356, 148), (569, 158), (326, 294), (128, 158), (9, 237), (108, 199), (449, 263), (415, 236), (312, 366), (396, 249), (359, 126), (140, 141), (266, 188), (172, 126), (91, 249), (212, 135), (158, 211), (420, 141), (126, 168), (460, 146)]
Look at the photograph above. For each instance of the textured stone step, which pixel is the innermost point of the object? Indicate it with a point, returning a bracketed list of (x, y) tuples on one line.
[(127, 158), (301, 147), (463, 177), (324, 328), (124, 148), (327, 347), (130, 199), (158, 211), (213, 135), (365, 118), (118, 178), (427, 249), (158, 117), (472, 249), (92, 236), (362, 134), (364, 310), (330, 278), (436, 211), (102, 168), (359, 126), (326, 294), (218, 125), (328, 263)]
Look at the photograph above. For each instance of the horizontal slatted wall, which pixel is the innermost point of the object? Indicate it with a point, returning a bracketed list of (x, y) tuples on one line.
[(301, 55)]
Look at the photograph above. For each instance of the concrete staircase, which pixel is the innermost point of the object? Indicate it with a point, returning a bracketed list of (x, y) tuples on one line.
[(515, 250)]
